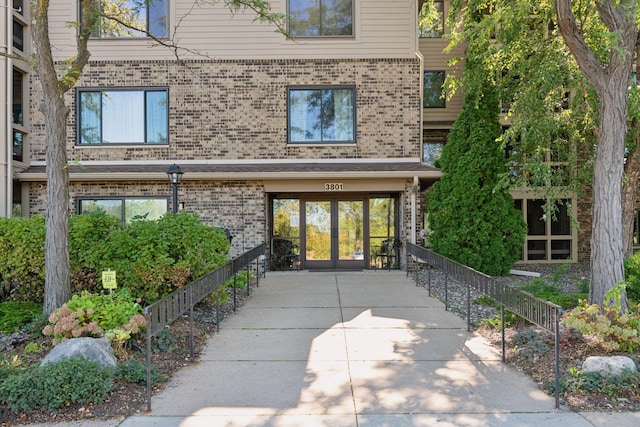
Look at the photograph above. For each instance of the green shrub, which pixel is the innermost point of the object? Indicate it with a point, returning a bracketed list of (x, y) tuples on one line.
[(55, 385), (552, 293), (164, 342), (152, 258), (16, 314), (632, 277), (495, 322), (90, 315), (610, 329), (241, 279), (135, 371), (10, 366), (626, 384), (22, 258), (88, 241), (472, 217)]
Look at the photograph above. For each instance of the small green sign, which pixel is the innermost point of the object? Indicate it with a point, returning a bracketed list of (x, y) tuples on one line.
[(109, 280)]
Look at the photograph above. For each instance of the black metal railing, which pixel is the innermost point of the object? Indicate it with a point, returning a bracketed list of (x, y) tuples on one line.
[(543, 313), (166, 310)]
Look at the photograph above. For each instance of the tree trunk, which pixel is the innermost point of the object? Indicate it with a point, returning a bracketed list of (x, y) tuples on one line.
[(57, 285), (610, 81), (607, 254)]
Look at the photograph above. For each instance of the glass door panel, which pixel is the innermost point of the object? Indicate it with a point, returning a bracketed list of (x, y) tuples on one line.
[(350, 230), (318, 231), (285, 240), (382, 232)]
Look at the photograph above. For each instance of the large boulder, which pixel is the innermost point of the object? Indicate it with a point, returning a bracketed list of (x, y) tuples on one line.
[(96, 349), (609, 365)]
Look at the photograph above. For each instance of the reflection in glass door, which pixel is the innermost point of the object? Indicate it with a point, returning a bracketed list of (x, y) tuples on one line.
[(318, 231), (350, 230), (334, 234)]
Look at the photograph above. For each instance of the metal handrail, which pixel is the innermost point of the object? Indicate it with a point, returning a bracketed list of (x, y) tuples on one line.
[(166, 310), (536, 310)]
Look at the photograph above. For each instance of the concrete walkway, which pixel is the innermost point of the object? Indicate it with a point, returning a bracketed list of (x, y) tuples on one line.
[(353, 349)]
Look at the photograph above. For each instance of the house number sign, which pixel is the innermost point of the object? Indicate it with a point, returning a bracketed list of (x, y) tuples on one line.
[(333, 186)]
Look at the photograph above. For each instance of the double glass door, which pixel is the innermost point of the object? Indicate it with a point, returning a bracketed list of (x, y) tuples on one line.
[(341, 232), (334, 233)]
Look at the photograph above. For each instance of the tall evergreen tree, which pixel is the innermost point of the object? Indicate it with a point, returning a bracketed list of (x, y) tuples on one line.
[(473, 219)]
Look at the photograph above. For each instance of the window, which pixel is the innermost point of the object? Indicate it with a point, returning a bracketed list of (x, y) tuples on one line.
[(433, 143), (126, 209), (431, 19), (322, 115), (17, 114), (18, 6), (17, 93), (550, 236), (123, 117), (309, 18), (18, 146), (18, 35), (132, 18), (433, 83)]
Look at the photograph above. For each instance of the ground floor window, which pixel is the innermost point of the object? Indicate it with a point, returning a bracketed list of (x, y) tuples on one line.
[(126, 209), (550, 234), (347, 231)]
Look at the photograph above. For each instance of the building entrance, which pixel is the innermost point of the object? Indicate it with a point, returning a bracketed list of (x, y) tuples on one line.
[(350, 231)]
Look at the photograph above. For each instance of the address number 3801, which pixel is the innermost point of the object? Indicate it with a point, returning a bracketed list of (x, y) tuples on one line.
[(333, 187)]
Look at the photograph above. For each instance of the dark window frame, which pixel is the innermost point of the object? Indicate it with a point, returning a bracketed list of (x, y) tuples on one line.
[(98, 34), (441, 100), (431, 34), (352, 88), (122, 199), (144, 90), (320, 34)]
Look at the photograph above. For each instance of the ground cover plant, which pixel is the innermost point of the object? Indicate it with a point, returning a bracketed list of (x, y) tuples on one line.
[(586, 330)]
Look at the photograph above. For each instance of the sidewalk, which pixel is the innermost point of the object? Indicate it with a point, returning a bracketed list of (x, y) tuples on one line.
[(347, 349), (353, 349)]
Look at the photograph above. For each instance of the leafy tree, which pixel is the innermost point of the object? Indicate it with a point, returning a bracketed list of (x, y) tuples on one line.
[(609, 73), (544, 51), (473, 219), (55, 84)]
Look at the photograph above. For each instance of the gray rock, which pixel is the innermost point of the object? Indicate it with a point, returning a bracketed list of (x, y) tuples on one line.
[(96, 349), (609, 365)]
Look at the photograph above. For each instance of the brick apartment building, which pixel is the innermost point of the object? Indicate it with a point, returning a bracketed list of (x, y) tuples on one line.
[(322, 145)]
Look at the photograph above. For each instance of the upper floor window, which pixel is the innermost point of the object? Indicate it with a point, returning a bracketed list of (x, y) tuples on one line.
[(138, 116), (322, 115), (18, 6), (433, 141), (431, 19), (132, 18), (433, 84), (19, 131), (18, 35), (321, 18), (17, 90), (126, 209)]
